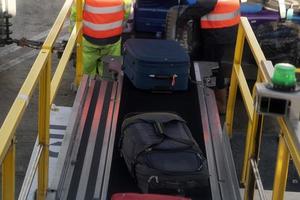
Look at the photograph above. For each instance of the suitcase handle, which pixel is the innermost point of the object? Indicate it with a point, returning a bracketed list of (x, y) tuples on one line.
[(171, 77), (163, 76)]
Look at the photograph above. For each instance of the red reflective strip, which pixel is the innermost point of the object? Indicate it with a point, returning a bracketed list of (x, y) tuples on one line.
[(102, 34), (225, 6), (103, 18), (103, 3), (220, 24)]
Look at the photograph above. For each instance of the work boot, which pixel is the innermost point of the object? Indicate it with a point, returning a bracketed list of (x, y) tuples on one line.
[(221, 99)]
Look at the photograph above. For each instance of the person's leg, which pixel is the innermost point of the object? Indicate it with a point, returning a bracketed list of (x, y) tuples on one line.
[(221, 89), (112, 50), (213, 52), (91, 56)]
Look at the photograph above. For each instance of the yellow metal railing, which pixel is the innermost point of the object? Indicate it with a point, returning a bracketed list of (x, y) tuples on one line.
[(39, 73), (287, 147)]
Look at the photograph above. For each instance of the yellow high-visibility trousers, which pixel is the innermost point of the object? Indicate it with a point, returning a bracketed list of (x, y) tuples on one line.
[(93, 54)]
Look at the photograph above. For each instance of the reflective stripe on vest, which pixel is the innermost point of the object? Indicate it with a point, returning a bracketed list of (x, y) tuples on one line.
[(103, 10), (103, 27), (103, 19), (225, 14), (221, 17)]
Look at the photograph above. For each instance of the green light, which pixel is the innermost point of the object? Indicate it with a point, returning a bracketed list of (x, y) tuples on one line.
[(284, 76)]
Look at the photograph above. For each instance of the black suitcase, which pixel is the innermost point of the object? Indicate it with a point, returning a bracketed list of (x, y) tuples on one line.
[(156, 64), (160, 153)]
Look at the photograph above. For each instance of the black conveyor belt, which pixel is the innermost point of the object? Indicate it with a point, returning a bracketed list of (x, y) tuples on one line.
[(92, 167), (133, 100)]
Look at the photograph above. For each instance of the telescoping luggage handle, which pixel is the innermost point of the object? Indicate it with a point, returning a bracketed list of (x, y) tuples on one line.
[(168, 77)]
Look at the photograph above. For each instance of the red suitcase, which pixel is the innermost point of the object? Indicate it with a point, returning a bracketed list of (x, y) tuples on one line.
[(135, 196)]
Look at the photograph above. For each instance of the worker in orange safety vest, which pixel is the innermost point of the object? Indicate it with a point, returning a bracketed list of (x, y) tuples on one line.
[(226, 13), (103, 22), (217, 33)]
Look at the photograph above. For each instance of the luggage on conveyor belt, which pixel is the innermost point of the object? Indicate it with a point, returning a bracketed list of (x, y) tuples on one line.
[(150, 15), (161, 153), (156, 64), (135, 196)]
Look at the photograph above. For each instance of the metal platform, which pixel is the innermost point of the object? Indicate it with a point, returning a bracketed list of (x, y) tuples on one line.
[(90, 166), (58, 124)]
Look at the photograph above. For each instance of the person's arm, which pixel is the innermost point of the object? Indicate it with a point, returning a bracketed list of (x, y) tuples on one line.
[(128, 16), (196, 9), (128, 8)]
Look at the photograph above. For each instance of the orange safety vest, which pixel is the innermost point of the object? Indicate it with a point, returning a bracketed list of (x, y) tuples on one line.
[(225, 14), (103, 18)]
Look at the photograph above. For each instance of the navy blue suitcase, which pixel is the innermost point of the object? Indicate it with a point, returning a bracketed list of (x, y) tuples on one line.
[(156, 64), (149, 20), (150, 15)]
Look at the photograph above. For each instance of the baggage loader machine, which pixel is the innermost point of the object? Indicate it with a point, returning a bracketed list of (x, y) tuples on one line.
[(90, 165)]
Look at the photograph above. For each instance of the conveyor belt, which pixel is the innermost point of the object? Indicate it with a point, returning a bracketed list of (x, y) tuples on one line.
[(133, 100), (93, 168), (88, 158), (88, 147)]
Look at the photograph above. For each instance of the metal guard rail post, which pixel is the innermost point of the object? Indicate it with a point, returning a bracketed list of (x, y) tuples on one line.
[(287, 147), (39, 73)]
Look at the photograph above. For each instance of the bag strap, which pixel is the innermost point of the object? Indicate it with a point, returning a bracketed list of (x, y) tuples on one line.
[(147, 149), (159, 128), (162, 117)]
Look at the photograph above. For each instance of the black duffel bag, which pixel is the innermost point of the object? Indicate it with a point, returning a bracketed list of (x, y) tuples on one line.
[(161, 153)]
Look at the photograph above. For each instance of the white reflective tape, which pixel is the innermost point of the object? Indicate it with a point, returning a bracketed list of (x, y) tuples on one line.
[(221, 17), (23, 97), (103, 27), (103, 10)]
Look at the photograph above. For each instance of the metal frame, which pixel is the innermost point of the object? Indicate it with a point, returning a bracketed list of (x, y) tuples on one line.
[(105, 146), (223, 179), (290, 139), (87, 163), (69, 137), (259, 184), (61, 184), (281, 170), (8, 171), (31, 169), (43, 127), (99, 132), (68, 167), (112, 134), (79, 47), (40, 72)]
